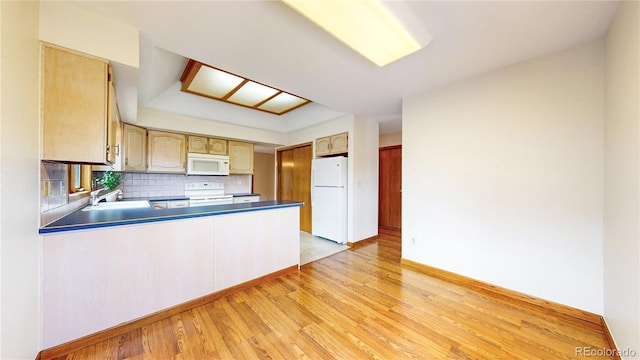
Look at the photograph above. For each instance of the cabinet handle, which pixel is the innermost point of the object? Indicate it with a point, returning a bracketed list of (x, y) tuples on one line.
[(117, 149), (126, 161)]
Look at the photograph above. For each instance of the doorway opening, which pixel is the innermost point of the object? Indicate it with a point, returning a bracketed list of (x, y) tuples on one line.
[(293, 182)]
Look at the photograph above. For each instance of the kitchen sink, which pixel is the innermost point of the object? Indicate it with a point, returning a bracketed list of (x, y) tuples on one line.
[(118, 205)]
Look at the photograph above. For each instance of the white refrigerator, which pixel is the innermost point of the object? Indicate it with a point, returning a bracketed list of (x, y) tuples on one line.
[(329, 198)]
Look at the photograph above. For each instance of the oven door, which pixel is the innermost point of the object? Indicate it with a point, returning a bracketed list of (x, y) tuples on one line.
[(207, 201)]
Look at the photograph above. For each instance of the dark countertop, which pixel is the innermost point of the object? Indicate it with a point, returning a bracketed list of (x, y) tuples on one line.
[(158, 198), (82, 220)]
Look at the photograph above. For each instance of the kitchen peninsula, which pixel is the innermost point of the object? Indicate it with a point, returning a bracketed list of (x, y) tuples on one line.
[(105, 268)]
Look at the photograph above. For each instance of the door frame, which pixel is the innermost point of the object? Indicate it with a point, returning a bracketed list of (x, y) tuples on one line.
[(385, 229)]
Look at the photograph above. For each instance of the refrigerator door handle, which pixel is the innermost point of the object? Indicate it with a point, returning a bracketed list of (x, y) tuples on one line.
[(312, 187)]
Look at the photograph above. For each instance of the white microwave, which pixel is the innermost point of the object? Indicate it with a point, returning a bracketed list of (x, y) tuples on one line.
[(205, 164)]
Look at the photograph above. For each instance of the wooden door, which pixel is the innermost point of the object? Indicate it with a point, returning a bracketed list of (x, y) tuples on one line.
[(390, 185), (294, 179)]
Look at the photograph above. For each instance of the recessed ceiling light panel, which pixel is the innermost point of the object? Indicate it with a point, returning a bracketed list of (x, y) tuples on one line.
[(204, 80), (367, 26), (251, 94), (283, 101)]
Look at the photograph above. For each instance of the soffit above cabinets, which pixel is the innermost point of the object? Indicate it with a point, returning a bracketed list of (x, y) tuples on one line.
[(204, 80)]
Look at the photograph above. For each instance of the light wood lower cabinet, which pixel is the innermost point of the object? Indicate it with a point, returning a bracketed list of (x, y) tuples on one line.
[(166, 152), (170, 204), (244, 199)]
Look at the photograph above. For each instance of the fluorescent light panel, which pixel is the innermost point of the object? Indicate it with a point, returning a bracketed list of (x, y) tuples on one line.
[(367, 26), (251, 94), (282, 101), (204, 80), (214, 82)]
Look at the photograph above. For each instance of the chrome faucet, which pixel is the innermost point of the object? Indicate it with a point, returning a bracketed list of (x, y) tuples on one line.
[(95, 199)]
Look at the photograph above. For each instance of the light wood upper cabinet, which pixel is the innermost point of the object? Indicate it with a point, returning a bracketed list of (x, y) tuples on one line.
[(134, 148), (332, 145), (340, 143), (218, 146), (75, 98), (166, 152), (198, 144), (118, 164), (240, 158), (204, 145), (113, 123)]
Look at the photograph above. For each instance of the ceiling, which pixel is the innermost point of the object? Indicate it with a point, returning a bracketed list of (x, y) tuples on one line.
[(268, 42)]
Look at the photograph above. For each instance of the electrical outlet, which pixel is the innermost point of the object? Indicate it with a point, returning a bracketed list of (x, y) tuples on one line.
[(413, 241), (47, 188)]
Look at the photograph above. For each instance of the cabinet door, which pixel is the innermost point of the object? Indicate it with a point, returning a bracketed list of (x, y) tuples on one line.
[(240, 158), (118, 165), (245, 199), (134, 145), (160, 204), (74, 107), (198, 144), (178, 204), (166, 152), (218, 146), (323, 146), (339, 143), (112, 120)]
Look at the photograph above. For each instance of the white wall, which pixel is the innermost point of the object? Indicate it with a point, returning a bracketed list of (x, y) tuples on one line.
[(365, 185), (168, 121), (75, 28), (19, 164), (503, 177), (391, 139), (363, 169), (622, 178)]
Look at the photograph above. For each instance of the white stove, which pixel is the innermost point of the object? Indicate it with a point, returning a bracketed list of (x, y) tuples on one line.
[(206, 193)]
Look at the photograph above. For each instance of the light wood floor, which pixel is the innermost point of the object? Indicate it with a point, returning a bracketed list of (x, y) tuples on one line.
[(357, 304)]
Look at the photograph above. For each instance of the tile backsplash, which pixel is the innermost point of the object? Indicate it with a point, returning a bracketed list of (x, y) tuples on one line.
[(55, 201), (54, 185), (136, 185)]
